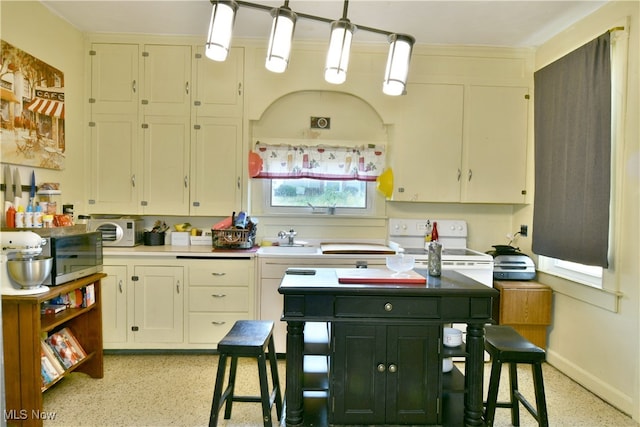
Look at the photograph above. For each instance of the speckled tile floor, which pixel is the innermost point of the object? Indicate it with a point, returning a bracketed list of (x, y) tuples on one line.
[(176, 390)]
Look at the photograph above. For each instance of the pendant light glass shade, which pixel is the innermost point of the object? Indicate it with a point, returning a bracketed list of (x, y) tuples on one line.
[(284, 22), (395, 75), (223, 17), (335, 70)]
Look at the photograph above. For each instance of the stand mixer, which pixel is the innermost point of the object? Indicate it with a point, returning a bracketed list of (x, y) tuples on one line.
[(22, 269)]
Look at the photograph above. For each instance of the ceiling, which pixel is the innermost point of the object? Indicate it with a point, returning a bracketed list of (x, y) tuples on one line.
[(515, 23)]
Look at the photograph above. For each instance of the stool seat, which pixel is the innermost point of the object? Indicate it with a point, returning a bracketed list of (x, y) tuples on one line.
[(506, 345), (247, 338)]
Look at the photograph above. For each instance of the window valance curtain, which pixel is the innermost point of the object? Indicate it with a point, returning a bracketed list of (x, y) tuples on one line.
[(573, 155), (286, 161)]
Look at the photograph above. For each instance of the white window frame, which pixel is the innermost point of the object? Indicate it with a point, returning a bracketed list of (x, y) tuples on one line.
[(368, 211), (585, 274)]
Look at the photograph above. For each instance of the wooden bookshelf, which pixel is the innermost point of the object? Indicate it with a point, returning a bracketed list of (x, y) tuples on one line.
[(23, 327)]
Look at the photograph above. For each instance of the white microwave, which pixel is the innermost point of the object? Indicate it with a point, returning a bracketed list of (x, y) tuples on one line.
[(123, 232)]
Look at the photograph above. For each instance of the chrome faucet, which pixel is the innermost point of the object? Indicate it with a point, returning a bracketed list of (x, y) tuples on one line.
[(290, 235)]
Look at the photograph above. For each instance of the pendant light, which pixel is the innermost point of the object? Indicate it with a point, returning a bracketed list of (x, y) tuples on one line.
[(395, 75), (335, 70), (284, 22), (223, 17)]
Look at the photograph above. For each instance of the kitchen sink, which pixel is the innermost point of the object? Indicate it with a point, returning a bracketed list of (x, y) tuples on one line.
[(289, 250)]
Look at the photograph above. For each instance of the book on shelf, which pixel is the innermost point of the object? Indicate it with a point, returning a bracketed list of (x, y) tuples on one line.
[(50, 366), (89, 295), (48, 308), (66, 347), (82, 297)]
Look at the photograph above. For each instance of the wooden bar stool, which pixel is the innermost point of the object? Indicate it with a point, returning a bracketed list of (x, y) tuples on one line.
[(506, 345), (247, 338)]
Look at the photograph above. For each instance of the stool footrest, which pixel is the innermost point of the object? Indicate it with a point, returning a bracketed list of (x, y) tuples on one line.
[(254, 399)]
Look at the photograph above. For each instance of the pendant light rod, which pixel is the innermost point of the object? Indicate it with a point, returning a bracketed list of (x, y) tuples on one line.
[(314, 17)]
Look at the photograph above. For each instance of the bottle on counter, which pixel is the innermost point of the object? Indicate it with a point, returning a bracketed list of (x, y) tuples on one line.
[(435, 258), (20, 217), (37, 217), (427, 235), (434, 232), (28, 217), (10, 217)]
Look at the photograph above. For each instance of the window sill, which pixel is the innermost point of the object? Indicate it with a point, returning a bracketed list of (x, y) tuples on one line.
[(603, 298)]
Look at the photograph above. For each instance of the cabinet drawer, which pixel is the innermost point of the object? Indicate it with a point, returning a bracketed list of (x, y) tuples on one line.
[(223, 298), (387, 307), (210, 328), (221, 272), (525, 306)]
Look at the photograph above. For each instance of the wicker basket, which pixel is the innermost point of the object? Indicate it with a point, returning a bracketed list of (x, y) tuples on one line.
[(234, 238)]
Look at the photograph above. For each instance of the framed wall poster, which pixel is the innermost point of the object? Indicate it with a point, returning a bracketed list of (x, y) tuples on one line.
[(31, 110)]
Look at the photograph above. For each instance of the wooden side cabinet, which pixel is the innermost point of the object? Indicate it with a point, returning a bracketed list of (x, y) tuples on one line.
[(526, 306), (23, 327)]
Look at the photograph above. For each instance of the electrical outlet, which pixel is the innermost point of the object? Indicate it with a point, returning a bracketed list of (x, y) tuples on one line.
[(320, 122), (524, 229)]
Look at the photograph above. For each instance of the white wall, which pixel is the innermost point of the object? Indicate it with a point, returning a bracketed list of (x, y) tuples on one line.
[(29, 26), (595, 346)]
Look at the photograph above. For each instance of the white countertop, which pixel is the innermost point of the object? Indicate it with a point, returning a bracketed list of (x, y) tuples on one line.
[(175, 251)]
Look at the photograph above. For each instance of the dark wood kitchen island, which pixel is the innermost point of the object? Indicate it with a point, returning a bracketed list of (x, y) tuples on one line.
[(385, 353)]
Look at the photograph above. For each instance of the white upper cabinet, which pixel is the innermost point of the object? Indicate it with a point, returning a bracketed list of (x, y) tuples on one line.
[(115, 172), (216, 152), (114, 78), (167, 80), (166, 165), (144, 160), (495, 155), (461, 143), (426, 156), (219, 85)]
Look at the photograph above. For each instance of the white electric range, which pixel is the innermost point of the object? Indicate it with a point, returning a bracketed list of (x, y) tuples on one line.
[(409, 235)]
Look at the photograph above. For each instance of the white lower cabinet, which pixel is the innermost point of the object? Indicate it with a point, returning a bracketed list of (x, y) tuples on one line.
[(169, 303), (114, 306), (272, 269), (158, 306), (221, 291)]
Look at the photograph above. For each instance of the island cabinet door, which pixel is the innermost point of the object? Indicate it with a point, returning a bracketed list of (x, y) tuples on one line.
[(384, 374)]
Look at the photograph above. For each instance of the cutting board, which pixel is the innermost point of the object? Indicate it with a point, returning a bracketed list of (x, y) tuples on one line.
[(356, 248), (377, 276)]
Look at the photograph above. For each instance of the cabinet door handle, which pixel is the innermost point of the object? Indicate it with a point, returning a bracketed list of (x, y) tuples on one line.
[(218, 323), (238, 183), (381, 367), (218, 274), (186, 181), (120, 286), (133, 180), (393, 368), (239, 88), (388, 307), (178, 287), (459, 174), (186, 88), (218, 295), (470, 174), (133, 86)]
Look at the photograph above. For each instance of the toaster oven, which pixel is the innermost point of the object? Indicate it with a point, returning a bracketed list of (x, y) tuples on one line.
[(123, 232)]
